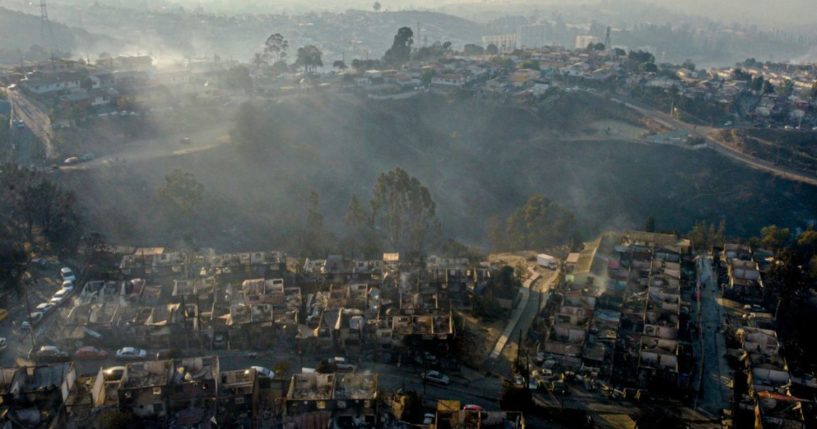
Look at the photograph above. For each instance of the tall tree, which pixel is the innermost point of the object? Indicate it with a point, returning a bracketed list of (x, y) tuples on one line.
[(309, 57), (377, 6), (400, 51), (540, 223), (275, 48), (403, 208), (491, 49), (774, 237)]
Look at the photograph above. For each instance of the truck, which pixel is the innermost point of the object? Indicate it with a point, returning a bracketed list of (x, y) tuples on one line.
[(547, 261)]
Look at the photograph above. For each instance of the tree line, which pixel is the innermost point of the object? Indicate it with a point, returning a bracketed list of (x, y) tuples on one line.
[(36, 214)]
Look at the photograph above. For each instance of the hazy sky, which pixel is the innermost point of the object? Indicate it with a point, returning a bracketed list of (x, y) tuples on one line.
[(769, 12)]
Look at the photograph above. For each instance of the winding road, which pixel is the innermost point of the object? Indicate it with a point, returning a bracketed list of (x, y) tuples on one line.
[(718, 146)]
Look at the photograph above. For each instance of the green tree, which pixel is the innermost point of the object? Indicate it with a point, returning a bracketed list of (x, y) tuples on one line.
[(806, 245), (773, 237), (275, 48), (540, 223), (400, 51), (376, 6), (340, 65), (182, 193), (402, 207), (705, 235), (689, 65), (309, 57), (491, 49)]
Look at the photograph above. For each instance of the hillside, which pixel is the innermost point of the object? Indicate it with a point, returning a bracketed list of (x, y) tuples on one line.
[(793, 149), (478, 159), (20, 31)]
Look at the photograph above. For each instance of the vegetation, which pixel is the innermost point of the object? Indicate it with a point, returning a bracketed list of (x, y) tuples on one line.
[(402, 207), (400, 51), (794, 149), (309, 57), (706, 235), (793, 279), (538, 224), (35, 213)]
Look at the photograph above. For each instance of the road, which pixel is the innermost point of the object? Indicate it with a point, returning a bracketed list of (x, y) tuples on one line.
[(535, 293), (718, 146), (716, 390), (35, 119), (160, 147), (516, 315)]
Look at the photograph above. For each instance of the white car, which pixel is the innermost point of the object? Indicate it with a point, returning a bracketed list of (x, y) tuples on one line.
[(43, 307), (341, 364), (60, 296), (35, 317), (67, 274), (436, 377), (131, 353), (266, 372), (68, 284)]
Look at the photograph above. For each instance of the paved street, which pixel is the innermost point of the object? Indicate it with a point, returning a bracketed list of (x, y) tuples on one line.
[(715, 391), (35, 119)]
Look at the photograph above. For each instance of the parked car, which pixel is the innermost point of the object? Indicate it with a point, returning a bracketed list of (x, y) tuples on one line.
[(266, 372), (71, 161), (341, 364), (67, 274), (185, 140), (35, 317), (3, 343), (131, 353), (60, 296), (90, 353), (428, 419), (472, 407), (436, 377), (49, 354), (44, 307), (68, 284), (87, 157)]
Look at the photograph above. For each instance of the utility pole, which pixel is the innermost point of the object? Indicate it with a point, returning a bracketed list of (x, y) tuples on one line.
[(45, 27)]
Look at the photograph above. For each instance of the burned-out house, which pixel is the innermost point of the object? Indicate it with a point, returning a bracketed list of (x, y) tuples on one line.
[(33, 396)]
